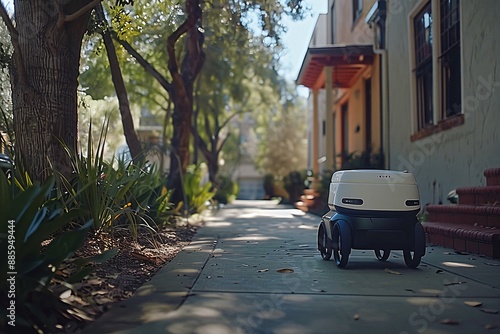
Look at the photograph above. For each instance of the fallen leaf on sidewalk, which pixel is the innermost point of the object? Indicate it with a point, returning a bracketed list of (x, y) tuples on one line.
[(356, 317), (65, 295), (492, 264), (473, 303), (490, 311), (285, 270), (439, 271), (387, 270), (455, 283), (262, 270), (450, 322), (490, 326)]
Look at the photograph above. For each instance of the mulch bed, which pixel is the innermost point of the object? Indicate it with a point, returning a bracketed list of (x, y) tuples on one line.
[(136, 261)]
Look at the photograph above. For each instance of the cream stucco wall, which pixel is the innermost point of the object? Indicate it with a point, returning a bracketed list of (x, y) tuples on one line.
[(456, 157), (346, 32)]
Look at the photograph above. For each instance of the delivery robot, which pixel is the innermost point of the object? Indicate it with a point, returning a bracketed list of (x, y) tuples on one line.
[(375, 210)]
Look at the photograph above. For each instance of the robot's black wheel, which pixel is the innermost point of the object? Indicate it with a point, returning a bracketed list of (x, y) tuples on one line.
[(324, 246), (413, 255), (341, 235), (412, 260), (382, 254)]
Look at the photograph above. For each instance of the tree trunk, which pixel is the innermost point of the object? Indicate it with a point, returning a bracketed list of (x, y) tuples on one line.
[(131, 138), (182, 94), (44, 84)]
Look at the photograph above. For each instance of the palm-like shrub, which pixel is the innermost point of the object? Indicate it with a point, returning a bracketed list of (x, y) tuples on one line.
[(127, 196), (197, 192), (31, 236)]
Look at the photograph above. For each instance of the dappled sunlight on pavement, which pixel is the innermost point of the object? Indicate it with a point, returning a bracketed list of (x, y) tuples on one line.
[(254, 268)]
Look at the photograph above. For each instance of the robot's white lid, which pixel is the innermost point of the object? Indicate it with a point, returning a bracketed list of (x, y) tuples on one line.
[(377, 176)]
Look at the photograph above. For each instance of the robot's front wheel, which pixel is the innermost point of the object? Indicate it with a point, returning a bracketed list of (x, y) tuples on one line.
[(382, 254), (324, 246), (341, 235)]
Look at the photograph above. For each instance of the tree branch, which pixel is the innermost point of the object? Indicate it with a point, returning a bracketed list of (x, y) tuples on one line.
[(8, 22), (14, 37), (63, 18), (144, 63), (193, 12)]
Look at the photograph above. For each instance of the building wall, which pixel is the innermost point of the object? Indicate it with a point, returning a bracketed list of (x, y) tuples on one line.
[(458, 156), (346, 32)]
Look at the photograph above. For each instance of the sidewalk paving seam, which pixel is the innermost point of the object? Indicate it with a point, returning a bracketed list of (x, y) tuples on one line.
[(190, 292)]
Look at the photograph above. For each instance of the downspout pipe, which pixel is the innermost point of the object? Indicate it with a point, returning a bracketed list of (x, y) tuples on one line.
[(377, 20)]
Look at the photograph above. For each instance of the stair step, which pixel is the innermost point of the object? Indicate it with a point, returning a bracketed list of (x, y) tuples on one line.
[(480, 215), (479, 195), (464, 238), (492, 176)]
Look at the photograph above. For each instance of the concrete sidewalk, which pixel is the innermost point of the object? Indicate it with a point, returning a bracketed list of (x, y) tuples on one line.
[(254, 268)]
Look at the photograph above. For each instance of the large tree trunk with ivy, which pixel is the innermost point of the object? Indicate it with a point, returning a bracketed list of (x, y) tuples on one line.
[(47, 41), (182, 93)]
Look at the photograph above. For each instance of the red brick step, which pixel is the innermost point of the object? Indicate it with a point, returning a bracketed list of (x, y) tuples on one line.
[(472, 215), (472, 239), (492, 176), (479, 195)]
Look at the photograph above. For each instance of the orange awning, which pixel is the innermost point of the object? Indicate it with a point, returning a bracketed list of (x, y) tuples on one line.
[(348, 61)]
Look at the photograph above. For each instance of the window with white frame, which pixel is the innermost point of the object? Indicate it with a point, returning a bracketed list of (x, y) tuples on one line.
[(436, 42)]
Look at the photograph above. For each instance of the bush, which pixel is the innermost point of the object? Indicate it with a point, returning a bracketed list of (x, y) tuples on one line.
[(269, 186), (197, 193), (129, 196), (38, 237), (227, 190), (294, 184)]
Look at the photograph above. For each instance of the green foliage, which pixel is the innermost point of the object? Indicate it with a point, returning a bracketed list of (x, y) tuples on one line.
[(294, 185), (282, 130), (362, 160), (31, 236), (269, 186), (197, 193), (227, 190), (112, 197), (323, 186)]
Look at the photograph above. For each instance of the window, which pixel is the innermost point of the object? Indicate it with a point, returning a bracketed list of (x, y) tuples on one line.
[(437, 43), (450, 58), (357, 8), (423, 66)]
